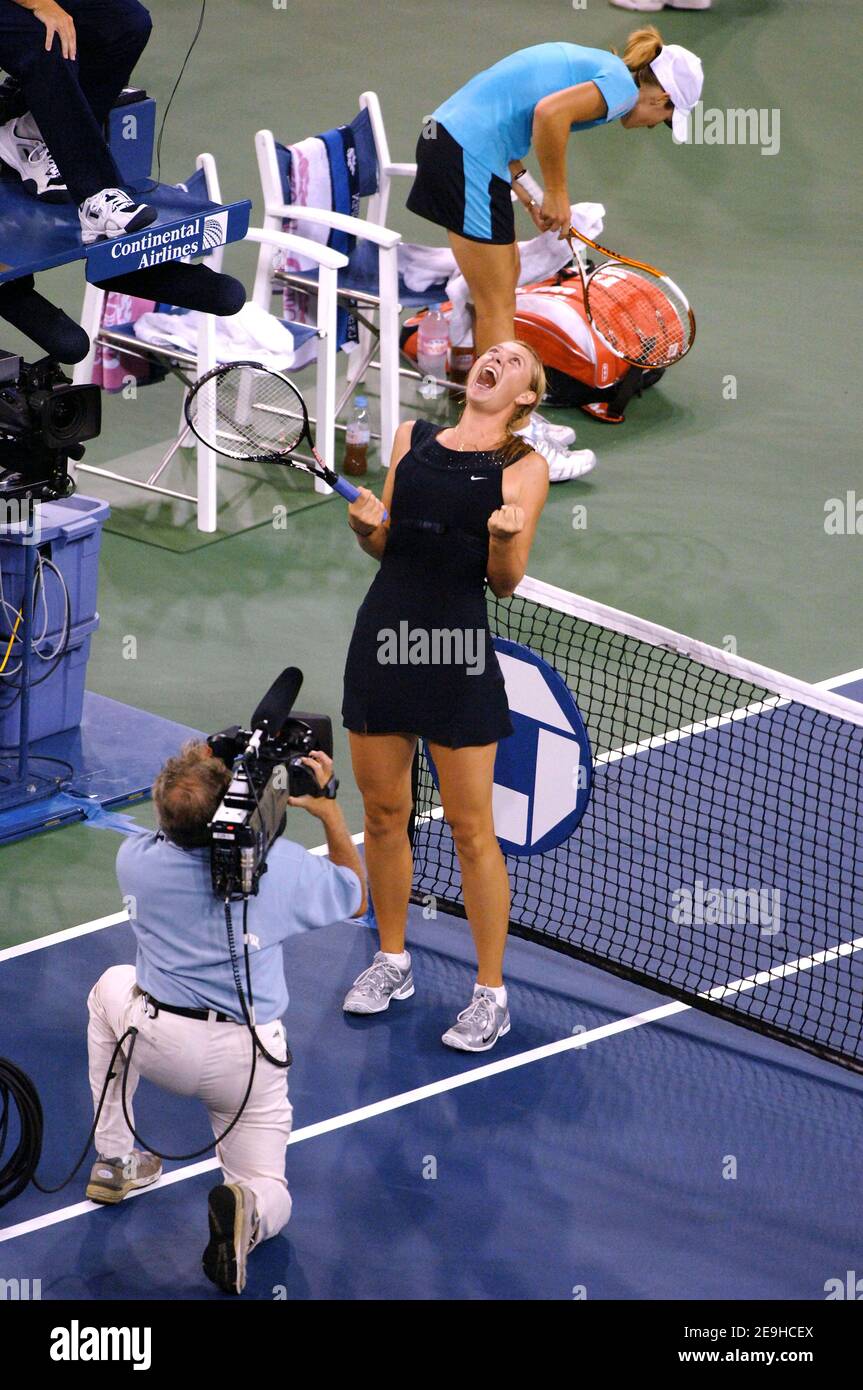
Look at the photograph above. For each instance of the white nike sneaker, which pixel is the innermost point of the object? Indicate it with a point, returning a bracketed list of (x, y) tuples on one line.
[(566, 464), (653, 6), (538, 427), (647, 6), (112, 213), (32, 160)]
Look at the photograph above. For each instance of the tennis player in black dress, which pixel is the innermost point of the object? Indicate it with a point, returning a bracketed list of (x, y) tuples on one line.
[(463, 506)]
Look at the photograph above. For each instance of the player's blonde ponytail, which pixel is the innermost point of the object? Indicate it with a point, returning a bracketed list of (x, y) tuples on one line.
[(642, 47)]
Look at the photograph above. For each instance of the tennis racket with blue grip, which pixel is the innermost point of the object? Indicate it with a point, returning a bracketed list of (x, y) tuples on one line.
[(251, 413)]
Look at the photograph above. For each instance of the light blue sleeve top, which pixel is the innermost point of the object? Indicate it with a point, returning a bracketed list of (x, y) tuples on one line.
[(179, 923), (491, 117)]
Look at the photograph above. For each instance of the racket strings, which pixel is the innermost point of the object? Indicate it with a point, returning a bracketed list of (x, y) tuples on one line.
[(247, 413), (643, 318)]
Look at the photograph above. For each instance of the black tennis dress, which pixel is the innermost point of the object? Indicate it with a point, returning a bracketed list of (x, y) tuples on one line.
[(421, 659)]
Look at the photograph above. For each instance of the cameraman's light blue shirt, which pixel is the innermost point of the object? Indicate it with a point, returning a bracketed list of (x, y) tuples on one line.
[(179, 923), (491, 116)]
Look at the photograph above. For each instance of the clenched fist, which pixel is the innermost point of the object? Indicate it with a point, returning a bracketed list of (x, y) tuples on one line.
[(506, 522), (366, 513)]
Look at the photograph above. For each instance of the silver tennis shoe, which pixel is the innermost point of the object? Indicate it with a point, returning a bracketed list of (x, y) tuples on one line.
[(479, 1026), (372, 991)]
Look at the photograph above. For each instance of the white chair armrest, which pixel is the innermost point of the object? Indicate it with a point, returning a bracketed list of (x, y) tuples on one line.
[(339, 221), (303, 246), (408, 170)]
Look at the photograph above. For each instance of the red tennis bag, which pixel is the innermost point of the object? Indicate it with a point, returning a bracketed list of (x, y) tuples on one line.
[(580, 370)]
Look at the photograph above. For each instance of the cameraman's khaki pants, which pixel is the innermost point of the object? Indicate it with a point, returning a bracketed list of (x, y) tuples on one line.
[(192, 1057)]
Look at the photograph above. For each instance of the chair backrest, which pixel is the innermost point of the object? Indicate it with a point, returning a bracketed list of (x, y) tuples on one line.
[(378, 204)]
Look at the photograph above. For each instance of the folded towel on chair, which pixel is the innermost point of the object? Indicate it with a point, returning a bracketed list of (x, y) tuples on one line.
[(251, 334)]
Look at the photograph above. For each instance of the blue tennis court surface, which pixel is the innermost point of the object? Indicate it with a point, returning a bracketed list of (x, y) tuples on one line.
[(684, 1158)]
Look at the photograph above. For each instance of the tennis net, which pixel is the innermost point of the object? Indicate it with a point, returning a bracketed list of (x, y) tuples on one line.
[(720, 858)]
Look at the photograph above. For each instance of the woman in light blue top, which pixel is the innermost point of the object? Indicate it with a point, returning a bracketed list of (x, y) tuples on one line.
[(470, 153)]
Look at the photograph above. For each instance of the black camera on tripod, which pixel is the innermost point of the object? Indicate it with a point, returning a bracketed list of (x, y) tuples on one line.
[(267, 769), (44, 421)]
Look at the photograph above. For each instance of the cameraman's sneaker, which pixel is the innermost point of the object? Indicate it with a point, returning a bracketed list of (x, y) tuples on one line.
[(233, 1228), (112, 213), (479, 1026), (372, 991), (112, 1179), (31, 159)]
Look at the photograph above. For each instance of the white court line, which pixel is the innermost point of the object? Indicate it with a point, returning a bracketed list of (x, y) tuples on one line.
[(505, 1064), (99, 923), (833, 681), (379, 1107), (629, 750), (450, 1083)]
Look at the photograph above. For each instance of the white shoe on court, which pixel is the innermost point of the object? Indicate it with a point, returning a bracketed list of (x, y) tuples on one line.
[(654, 6), (111, 213), (538, 427), (566, 464)]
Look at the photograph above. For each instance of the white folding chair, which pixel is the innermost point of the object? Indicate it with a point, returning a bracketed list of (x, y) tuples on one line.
[(187, 366), (370, 289)]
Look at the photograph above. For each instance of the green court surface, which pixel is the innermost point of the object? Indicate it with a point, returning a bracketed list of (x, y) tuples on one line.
[(707, 510)]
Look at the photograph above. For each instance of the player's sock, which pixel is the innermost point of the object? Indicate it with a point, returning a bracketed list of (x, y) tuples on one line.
[(499, 992), (402, 960)]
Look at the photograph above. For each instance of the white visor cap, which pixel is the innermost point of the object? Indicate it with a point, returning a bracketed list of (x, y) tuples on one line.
[(680, 74)]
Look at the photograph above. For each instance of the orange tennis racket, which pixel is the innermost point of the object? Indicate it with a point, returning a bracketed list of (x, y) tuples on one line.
[(639, 313)]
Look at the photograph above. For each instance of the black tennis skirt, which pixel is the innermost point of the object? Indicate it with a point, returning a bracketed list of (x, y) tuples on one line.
[(453, 190)]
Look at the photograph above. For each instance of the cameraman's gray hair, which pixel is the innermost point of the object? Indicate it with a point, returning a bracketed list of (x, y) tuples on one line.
[(187, 792)]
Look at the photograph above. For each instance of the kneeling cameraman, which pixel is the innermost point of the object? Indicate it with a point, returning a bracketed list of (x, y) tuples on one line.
[(181, 997)]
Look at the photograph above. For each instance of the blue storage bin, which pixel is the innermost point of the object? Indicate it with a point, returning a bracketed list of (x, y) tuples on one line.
[(70, 535), (56, 703)]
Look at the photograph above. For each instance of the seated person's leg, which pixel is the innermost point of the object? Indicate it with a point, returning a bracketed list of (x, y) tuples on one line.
[(53, 330), (112, 35), (59, 108)]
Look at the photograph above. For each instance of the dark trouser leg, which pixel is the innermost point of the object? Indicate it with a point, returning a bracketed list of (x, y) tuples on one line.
[(42, 322), (59, 92), (112, 35), (186, 286)]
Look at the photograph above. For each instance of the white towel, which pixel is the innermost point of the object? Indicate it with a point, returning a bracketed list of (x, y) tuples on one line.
[(252, 334), (311, 187), (424, 266)]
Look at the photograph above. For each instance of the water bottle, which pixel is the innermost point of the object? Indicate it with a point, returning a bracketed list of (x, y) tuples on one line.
[(432, 349), (357, 438)]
